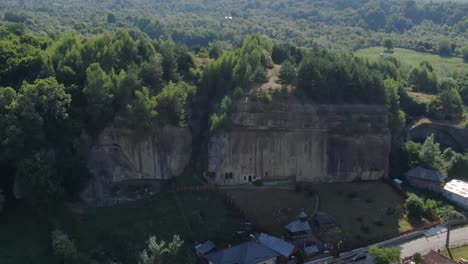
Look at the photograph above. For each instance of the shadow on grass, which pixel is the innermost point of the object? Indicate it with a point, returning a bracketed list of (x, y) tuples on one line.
[(449, 252)]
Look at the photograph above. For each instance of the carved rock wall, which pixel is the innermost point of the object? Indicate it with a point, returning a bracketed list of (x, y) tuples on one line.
[(128, 165), (312, 143)]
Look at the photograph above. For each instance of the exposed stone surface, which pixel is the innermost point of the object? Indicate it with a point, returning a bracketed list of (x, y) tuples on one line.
[(313, 143), (447, 135), (127, 165)]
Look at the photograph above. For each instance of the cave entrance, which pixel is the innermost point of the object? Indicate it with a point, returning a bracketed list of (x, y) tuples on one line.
[(250, 178)]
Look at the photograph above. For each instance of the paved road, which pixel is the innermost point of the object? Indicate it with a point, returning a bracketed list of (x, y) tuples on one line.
[(422, 245), (425, 244)]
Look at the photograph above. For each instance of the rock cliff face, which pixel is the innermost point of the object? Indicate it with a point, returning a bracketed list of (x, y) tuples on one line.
[(126, 165), (447, 135), (311, 143)]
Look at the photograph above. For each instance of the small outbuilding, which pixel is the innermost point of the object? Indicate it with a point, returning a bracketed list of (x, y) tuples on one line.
[(423, 178), (457, 192), (205, 248), (299, 227)]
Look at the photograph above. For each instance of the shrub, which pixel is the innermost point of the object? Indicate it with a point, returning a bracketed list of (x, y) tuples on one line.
[(160, 251), (365, 229), (465, 54), (385, 255), (265, 98), (63, 247), (222, 121), (379, 223), (414, 206), (417, 258), (238, 93)]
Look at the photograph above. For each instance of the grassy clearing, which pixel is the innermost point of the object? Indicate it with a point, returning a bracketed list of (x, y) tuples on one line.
[(409, 58), (367, 211), (273, 208), (458, 253), (121, 231), (362, 209)]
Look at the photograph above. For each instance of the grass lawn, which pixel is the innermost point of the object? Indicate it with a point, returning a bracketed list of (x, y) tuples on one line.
[(122, 231), (272, 208), (409, 58), (458, 253), (364, 210), (361, 209)]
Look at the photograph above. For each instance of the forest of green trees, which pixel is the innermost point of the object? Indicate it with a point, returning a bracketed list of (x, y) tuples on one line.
[(351, 24)]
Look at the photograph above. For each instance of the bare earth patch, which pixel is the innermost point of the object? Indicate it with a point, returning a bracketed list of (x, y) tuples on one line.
[(421, 97), (273, 81)]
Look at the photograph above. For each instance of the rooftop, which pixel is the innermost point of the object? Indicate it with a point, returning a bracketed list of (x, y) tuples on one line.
[(457, 187), (435, 258), (204, 248), (298, 226), (426, 174), (245, 253), (284, 248)]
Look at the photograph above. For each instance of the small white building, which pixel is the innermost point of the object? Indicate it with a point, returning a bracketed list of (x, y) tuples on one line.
[(457, 192)]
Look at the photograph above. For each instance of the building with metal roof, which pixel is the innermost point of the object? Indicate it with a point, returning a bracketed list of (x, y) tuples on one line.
[(251, 252), (298, 226), (423, 178), (284, 248), (205, 248), (457, 192)]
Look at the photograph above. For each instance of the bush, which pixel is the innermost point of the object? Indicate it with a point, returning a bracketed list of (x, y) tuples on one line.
[(219, 122), (414, 206), (447, 106), (465, 54), (443, 211), (385, 255), (265, 98), (222, 120), (63, 247), (417, 258), (238, 93)]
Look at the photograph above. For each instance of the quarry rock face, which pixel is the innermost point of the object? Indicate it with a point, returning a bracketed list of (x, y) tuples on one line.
[(128, 165), (305, 142), (447, 135)]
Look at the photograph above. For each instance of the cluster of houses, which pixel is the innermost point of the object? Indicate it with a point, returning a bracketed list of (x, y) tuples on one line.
[(267, 249), (454, 190)]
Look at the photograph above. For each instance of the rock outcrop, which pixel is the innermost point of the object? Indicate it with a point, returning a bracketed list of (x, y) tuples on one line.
[(310, 143), (127, 165), (448, 135)]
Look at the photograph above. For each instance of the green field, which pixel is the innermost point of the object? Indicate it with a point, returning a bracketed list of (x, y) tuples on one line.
[(458, 253), (409, 58), (120, 232)]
